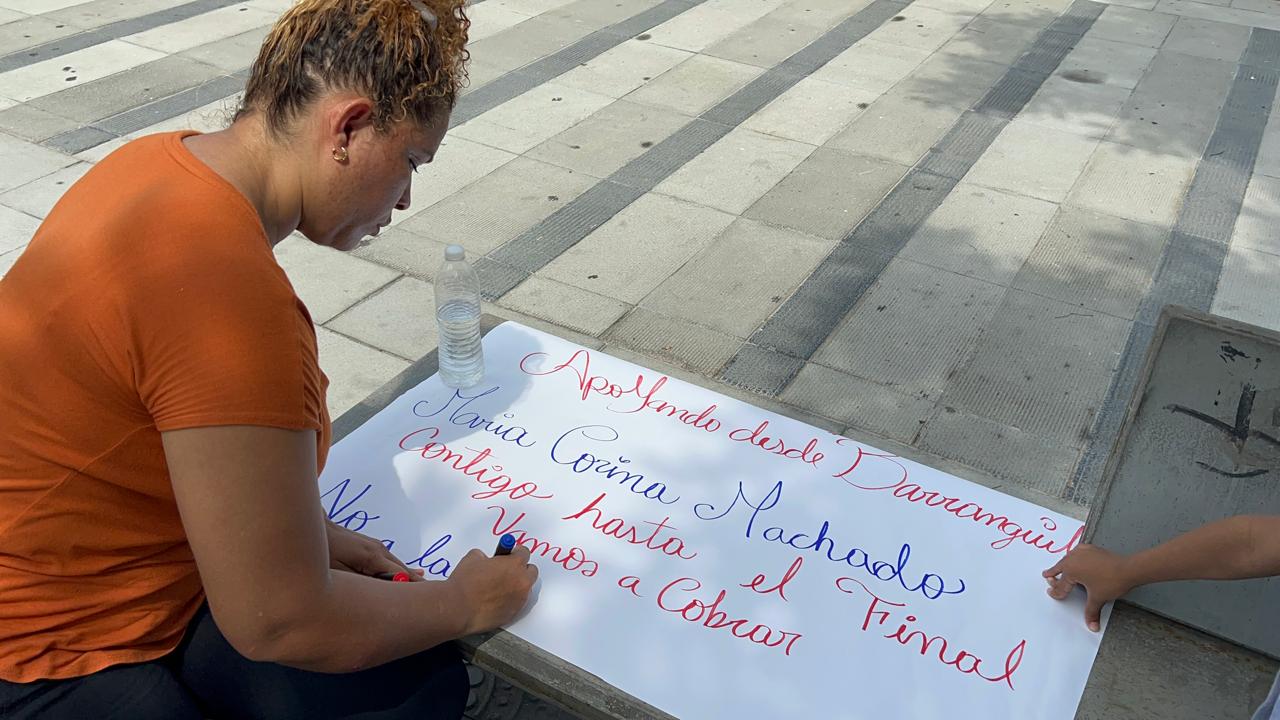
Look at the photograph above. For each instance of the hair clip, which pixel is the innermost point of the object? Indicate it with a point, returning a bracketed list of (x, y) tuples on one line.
[(426, 13)]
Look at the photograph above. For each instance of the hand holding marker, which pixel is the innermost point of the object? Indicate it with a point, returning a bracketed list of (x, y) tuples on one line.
[(506, 544)]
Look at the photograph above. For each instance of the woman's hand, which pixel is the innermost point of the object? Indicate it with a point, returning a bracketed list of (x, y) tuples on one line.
[(361, 554), (494, 589), (1104, 575)]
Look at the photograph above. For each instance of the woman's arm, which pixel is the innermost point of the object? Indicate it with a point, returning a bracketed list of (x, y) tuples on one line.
[(1244, 546), (250, 507)]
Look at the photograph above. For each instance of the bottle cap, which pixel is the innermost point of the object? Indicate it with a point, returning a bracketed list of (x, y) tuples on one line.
[(455, 252)]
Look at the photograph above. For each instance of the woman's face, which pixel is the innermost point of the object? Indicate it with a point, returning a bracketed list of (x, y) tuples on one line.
[(377, 176)]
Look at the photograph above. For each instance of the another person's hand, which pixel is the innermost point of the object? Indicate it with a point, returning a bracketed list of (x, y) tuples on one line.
[(494, 589), (1103, 574), (361, 554)]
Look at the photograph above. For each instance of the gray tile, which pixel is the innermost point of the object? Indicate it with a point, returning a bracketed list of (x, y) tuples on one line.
[(695, 85), (400, 319), (122, 91), (1033, 160), (1174, 109), (1246, 289), (736, 171), (355, 370), (623, 67), (38, 197), (1135, 184), (1258, 226), (950, 81), (896, 128), (673, 340), (1007, 453), (565, 305), (24, 162), (632, 253), (1085, 109), (7, 260), (827, 194), (862, 404), (1207, 39), (230, 54), (409, 252), (982, 233), (740, 279), (33, 124), (493, 210), (1094, 261), (992, 41), (1042, 366), (16, 229), (1136, 27), (101, 12), (767, 41), (912, 329), (22, 36), (872, 66), (609, 138), (811, 111), (1112, 62), (327, 280)]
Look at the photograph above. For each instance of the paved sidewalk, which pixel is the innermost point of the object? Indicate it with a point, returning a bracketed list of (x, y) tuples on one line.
[(945, 227)]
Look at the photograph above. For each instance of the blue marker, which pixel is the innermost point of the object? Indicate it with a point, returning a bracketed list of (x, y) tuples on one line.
[(506, 544)]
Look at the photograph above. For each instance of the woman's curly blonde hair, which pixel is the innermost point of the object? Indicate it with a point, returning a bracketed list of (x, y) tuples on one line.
[(408, 56)]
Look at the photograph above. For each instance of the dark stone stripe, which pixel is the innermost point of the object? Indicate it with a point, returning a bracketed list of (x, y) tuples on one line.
[(775, 353), (1192, 262), (83, 138), (106, 33), (509, 265)]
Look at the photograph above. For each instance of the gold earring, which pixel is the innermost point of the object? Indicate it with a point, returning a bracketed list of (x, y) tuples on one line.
[(340, 154)]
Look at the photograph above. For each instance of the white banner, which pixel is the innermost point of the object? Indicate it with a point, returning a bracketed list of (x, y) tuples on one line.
[(717, 560)]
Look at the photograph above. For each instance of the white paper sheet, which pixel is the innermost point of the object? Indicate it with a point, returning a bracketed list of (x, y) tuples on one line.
[(908, 593)]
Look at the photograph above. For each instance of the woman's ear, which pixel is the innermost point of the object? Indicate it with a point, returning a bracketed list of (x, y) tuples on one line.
[(349, 120)]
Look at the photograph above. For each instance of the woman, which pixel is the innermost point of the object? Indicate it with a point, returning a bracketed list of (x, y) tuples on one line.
[(163, 551)]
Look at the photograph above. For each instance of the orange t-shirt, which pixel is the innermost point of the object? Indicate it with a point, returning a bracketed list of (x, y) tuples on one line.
[(149, 300)]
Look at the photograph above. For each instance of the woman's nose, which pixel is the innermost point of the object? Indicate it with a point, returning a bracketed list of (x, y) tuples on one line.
[(404, 201)]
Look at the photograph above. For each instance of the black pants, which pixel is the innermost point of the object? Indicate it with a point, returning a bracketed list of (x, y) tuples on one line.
[(206, 678)]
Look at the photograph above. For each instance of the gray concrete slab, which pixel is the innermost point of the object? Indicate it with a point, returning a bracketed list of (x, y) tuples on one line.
[(638, 248), (329, 281), (695, 85), (354, 369), (230, 54), (22, 36), (809, 201), (16, 228), (950, 81), (1175, 106), (1132, 183), (1113, 62), (1207, 39), (982, 233), (33, 124), (740, 278), (991, 40), (736, 171), (858, 402), (397, 319), (1014, 457), (913, 329), (139, 85), (896, 128), (609, 138), (1258, 227), (571, 307), (492, 210), (1033, 160), (1089, 109), (774, 37), (674, 340), (1053, 392), (1137, 27), (1094, 261)]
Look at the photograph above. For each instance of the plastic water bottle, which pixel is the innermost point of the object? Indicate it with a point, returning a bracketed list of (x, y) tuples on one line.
[(458, 319)]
